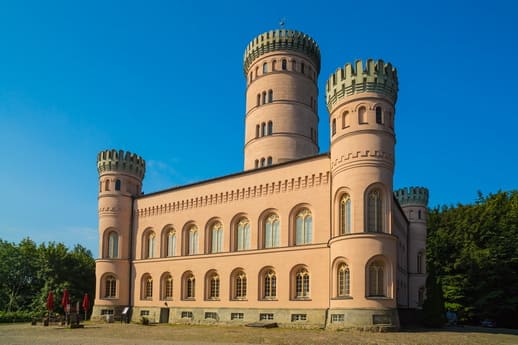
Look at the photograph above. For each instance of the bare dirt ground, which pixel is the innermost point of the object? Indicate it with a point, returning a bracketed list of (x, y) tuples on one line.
[(133, 334)]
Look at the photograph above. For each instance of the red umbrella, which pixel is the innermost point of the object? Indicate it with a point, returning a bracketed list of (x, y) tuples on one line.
[(86, 303), (50, 301), (65, 300)]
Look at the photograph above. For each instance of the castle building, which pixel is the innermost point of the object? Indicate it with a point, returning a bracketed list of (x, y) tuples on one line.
[(299, 237)]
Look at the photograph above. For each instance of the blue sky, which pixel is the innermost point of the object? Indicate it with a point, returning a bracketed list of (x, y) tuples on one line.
[(77, 77)]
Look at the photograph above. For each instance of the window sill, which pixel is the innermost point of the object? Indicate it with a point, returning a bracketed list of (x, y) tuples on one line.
[(110, 298), (237, 299), (341, 297), (269, 299), (215, 299), (301, 299), (189, 299), (378, 297)]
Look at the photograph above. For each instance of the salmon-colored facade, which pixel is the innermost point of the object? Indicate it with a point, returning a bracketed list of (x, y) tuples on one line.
[(298, 238)]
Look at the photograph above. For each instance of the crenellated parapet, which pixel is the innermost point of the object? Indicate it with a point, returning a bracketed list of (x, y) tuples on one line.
[(120, 161), (412, 195), (281, 39), (374, 76)]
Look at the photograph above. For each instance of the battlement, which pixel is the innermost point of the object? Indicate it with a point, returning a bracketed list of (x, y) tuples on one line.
[(412, 195), (375, 76), (120, 161), (281, 39)]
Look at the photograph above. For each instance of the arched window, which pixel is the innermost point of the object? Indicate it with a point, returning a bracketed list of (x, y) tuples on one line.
[(257, 131), (263, 162), (167, 287), (270, 96), (243, 234), (333, 127), (269, 285), (345, 214), (284, 64), (117, 184), (149, 243), (147, 285), (110, 287), (273, 65), (258, 99), (189, 286), (390, 119), (113, 245), (343, 280), (304, 227), (271, 231), (379, 116), (302, 68), (264, 97), (171, 243), (263, 129), (362, 117), (293, 65), (302, 283), (256, 163), (240, 285), (193, 241), (345, 119), (213, 284), (376, 279), (375, 211), (270, 127), (270, 161), (420, 261), (251, 77), (217, 238), (106, 185), (419, 214), (265, 68)]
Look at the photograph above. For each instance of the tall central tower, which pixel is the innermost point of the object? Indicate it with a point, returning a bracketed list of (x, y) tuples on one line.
[(281, 68)]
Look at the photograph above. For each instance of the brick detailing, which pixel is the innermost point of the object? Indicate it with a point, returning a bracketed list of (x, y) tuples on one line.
[(120, 161), (281, 39), (262, 190)]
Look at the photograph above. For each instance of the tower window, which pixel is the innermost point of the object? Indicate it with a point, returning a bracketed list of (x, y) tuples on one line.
[(377, 279), (302, 68), (118, 184), (343, 280), (265, 68), (375, 211), (263, 162), (110, 287), (333, 127), (257, 130), (379, 116), (345, 119), (258, 99), (294, 65), (273, 65), (106, 185), (284, 64), (270, 127), (113, 245), (362, 117), (270, 96), (269, 161), (345, 215), (263, 129), (264, 97), (256, 163)]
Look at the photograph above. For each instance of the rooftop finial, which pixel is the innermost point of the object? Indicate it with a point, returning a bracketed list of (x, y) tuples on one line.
[(282, 22)]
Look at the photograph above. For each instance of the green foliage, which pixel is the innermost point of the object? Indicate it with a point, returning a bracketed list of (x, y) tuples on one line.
[(17, 316), (29, 272), (473, 253)]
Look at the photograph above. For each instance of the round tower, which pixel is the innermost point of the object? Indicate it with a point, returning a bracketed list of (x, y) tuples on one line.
[(361, 101), (281, 68), (120, 180), (414, 202)]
